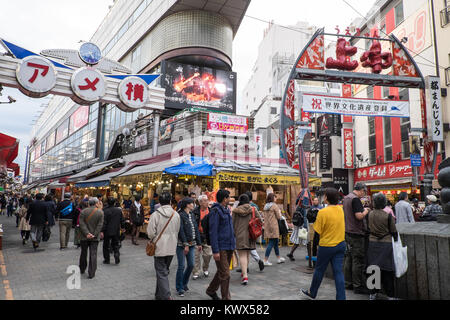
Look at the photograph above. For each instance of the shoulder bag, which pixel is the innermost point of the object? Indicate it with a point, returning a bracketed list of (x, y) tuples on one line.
[(255, 226), (151, 246)]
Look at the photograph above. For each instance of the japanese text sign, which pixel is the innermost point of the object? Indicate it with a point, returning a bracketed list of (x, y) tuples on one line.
[(36, 76), (348, 153), (434, 109), (355, 107), (133, 92), (228, 125)]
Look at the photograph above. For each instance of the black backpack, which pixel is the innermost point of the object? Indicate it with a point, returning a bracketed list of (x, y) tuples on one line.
[(205, 226), (298, 219), (312, 215)]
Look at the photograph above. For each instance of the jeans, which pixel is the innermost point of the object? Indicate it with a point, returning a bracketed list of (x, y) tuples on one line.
[(36, 232), (335, 255), (273, 243), (162, 265), (182, 277)]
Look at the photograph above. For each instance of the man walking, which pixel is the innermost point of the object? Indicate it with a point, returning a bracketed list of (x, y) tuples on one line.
[(403, 210), (220, 223), (164, 217), (355, 239), (37, 217), (65, 211), (91, 223), (112, 223), (200, 213)]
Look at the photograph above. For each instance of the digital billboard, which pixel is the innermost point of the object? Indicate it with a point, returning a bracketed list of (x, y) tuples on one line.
[(192, 86)]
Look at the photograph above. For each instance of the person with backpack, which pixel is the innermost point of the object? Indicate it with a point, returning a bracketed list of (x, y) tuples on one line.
[(200, 212), (223, 244), (272, 214), (242, 216), (65, 211), (298, 222)]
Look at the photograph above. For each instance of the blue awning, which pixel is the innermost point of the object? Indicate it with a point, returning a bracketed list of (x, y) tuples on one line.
[(94, 184), (193, 166)]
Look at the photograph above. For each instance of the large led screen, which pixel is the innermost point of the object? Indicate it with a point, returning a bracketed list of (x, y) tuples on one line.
[(190, 86)]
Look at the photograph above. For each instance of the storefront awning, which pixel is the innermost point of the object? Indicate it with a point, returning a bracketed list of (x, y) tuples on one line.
[(374, 184), (100, 181), (150, 168), (192, 166), (89, 172)]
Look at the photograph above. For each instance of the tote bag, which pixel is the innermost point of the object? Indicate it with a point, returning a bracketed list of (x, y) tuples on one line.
[(400, 257)]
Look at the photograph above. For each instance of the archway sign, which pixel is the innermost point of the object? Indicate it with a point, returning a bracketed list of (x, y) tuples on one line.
[(91, 81), (402, 72)]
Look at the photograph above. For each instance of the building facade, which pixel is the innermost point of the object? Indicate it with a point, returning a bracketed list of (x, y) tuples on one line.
[(169, 37)]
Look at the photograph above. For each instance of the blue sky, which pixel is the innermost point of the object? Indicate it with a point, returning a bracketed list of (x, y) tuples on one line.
[(60, 24)]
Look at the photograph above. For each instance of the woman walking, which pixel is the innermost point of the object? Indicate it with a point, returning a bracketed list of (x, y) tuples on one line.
[(382, 229), (24, 226), (188, 239), (244, 244), (271, 230), (330, 225)]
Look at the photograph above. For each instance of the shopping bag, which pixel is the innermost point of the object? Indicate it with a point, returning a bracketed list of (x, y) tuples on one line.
[(302, 234), (400, 257)]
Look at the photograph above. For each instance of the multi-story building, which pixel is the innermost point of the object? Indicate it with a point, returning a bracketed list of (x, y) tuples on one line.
[(171, 37), (381, 143)]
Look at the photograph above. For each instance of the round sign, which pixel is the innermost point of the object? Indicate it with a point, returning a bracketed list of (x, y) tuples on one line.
[(90, 53), (133, 92), (89, 85), (36, 76)]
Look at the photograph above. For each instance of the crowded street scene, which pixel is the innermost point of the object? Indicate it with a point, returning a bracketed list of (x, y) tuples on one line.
[(241, 151)]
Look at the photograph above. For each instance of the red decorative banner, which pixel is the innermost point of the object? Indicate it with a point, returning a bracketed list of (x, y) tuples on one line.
[(348, 148)]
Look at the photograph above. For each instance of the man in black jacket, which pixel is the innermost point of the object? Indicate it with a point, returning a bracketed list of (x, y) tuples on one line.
[(65, 211), (37, 216), (113, 221)]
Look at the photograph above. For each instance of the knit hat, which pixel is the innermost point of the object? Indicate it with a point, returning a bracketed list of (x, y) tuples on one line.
[(432, 198)]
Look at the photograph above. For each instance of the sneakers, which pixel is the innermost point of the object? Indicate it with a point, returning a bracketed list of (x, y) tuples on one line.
[(281, 260), (306, 294), (206, 274), (180, 293), (195, 277), (291, 257), (373, 297), (116, 258), (244, 281), (261, 265), (106, 262), (267, 263)]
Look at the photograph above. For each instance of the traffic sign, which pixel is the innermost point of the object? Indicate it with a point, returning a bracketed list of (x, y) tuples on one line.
[(416, 160)]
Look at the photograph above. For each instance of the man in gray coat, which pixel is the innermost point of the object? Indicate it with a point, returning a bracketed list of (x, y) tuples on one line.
[(166, 245), (403, 210), (91, 223)]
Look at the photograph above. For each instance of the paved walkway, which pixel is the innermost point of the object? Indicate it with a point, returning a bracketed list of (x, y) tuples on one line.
[(26, 274)]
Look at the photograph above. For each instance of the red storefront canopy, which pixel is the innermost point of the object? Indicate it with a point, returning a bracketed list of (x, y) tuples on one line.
[(9, 149)]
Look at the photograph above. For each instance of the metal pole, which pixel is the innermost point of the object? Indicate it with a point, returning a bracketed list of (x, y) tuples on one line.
[(156, 120)]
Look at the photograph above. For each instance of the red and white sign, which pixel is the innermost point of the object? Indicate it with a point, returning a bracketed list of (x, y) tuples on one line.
[(89, 85), (348, 148), (36, 76), (79, 119), (400, 169), (133, 92), (226, 124)]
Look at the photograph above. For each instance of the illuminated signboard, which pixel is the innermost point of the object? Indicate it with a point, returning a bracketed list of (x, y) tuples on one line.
[(191, 86), (79, 119)]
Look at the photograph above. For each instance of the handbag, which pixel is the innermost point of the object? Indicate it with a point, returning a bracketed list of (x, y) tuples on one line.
[(150, 249), (303, 234), (282, 226), (255, 226), (400, 254)]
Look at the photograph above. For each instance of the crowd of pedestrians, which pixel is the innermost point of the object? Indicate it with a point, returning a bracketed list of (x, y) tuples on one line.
[(346, 233)]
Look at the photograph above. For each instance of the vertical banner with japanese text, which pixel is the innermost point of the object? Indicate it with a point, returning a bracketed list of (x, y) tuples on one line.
[(434, 110), (348, 153)]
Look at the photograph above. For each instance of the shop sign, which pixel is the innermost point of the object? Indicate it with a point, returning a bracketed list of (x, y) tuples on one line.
[(259, 145), (88, 84), (140, 141), (387, 171), (416, 160), (329, 125), (340, 180), (256, 179), (227, 125), (434, 116), (355, 106), (133, 92), (79, 119), (348, 153), (325, 153), (36, 76)]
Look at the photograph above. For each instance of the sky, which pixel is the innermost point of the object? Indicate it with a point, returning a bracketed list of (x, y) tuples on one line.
[(61, 24)]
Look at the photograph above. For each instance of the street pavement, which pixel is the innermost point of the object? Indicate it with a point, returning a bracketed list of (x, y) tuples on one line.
[(41, 275)]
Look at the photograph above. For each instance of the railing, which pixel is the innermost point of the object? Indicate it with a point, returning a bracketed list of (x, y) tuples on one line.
[(445, 17)]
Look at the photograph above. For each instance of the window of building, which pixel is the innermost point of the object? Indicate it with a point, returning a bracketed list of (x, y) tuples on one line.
[(399, 14), (273, 111), (403, 94), (136, 54), (370, 92), (387, 139), (372, 141), (405, 126)]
